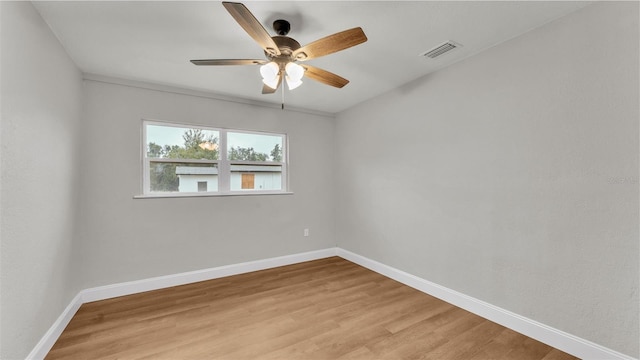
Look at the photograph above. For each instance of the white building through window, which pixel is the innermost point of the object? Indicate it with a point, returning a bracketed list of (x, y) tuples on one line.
[(195, 160)]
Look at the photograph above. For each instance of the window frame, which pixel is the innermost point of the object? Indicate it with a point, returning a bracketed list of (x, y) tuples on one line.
[(223, 163)]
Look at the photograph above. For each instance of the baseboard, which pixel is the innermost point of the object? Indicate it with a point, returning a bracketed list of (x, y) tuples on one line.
[(571, 344), (133, 287), (161, 282), (46, 342), (566, 342)]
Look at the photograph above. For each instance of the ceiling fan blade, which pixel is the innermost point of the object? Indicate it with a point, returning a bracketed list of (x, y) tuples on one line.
[(330, 44), (324, 76), (252, 26), (268, 90), (229, 62)]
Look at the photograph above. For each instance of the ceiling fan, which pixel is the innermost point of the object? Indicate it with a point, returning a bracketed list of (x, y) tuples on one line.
[(283, 52)]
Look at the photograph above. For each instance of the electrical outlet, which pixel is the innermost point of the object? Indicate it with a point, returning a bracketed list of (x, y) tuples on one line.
[(306, 232)]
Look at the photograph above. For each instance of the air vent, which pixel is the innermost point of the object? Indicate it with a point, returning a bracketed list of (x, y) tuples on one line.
[(441, 49)]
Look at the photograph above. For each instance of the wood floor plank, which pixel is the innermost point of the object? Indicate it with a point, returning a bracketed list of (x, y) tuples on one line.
[(323, 309)]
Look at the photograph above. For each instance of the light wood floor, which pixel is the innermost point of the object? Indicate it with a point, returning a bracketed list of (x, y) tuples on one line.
[(324, 309)]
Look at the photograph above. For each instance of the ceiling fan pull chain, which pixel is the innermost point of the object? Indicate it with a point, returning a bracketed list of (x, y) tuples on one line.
[(282, 105)]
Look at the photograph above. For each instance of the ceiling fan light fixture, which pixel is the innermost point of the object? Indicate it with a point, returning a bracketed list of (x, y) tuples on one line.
[(295, 72), (282, 52), (272, 83), (269, 72), (291, 83)]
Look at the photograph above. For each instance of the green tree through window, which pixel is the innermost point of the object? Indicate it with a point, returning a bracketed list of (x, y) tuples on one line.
[(249, 154), (197, 145), (276, 153)]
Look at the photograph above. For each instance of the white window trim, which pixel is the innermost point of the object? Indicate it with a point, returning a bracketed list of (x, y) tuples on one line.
[(224, 165)]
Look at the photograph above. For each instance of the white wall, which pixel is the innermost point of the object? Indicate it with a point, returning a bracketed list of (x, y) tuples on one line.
[(41, 107), (511, 176), (125, 239)]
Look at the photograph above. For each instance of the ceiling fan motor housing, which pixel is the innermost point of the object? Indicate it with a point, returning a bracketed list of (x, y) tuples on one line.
[(287, 46)]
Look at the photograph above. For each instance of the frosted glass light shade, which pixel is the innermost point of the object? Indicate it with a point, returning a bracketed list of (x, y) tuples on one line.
[(269, 71), (270, 74), (271, 83), (294, 71), (292, 83)]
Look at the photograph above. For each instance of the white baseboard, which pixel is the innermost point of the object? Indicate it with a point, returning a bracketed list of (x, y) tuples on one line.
[(568, 343), (49, 339), (571, 344), (161, 282), (133, 287)]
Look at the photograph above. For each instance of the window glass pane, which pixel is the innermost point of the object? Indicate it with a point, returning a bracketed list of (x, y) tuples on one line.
[(254, 147), (181, 143), (182, 158), (182, 177), (256, 177)]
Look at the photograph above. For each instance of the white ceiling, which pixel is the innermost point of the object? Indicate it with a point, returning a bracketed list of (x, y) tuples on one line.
[(154, 41)]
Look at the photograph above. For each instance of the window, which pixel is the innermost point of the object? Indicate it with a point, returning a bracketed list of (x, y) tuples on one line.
[(189, 160)]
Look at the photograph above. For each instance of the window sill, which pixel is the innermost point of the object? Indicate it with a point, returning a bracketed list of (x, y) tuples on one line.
[(191, 195)]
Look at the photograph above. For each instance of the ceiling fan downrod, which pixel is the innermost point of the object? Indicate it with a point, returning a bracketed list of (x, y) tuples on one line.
[(281, 27)]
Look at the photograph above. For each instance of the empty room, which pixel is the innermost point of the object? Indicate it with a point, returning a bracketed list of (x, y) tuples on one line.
[(319, 180)]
